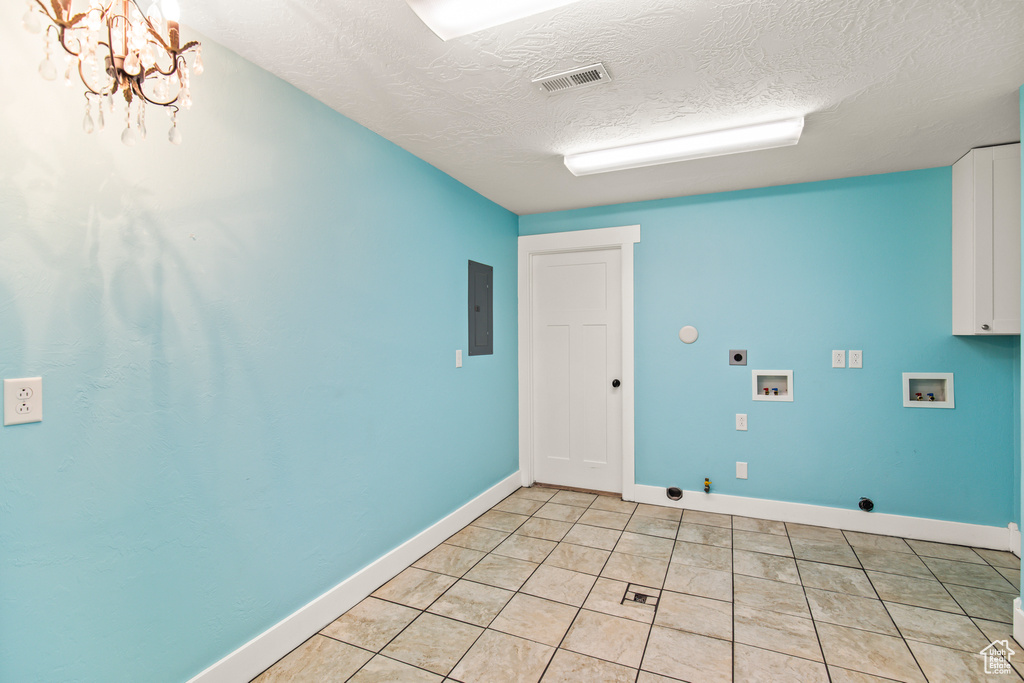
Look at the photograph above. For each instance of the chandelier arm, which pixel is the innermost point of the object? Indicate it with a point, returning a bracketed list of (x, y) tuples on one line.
[(174, 69), (69, 21), (110, 44), (46, 11), (139, 91), (159, 38), (88, 86), (62, 41)]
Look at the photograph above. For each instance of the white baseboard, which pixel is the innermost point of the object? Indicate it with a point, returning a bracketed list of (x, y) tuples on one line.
[(977, 535), (251, 659)]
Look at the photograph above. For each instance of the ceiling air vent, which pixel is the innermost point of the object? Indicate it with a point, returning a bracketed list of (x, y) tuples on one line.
[(571, 80)]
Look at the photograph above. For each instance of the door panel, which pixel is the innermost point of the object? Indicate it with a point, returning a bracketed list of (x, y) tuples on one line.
[(551, 425), (594, 382), (576, 304)]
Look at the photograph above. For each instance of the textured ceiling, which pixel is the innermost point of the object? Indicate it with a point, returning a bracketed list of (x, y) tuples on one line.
[(886, 85)]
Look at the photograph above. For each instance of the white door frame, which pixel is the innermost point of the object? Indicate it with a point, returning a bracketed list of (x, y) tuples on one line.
[(622, 238)]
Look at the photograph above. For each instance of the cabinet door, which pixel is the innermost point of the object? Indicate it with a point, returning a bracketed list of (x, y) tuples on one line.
[(997, 239)]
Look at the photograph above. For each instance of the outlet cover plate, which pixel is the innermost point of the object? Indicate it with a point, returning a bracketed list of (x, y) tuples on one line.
[(737, 356), (856, 359), (741, 470), (741, 422), (839, 359), (23, 400)]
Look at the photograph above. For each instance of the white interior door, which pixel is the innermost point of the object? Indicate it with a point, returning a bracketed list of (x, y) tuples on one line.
[(576, 311)]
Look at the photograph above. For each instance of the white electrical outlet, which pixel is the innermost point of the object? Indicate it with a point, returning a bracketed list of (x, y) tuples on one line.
[(856, 359), (839, 359), (23, 400), (741, 422), (741, 470)]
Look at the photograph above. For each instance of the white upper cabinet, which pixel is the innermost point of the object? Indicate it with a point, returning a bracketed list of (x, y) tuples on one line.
[(986, 241)]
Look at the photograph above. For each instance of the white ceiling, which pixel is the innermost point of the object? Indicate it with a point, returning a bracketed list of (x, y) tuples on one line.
[(886, 85)]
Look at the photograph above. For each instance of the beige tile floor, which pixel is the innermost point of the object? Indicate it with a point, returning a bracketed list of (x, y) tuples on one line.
[(544, 586)]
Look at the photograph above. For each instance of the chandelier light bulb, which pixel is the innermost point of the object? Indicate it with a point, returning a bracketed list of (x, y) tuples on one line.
[(171, 10)]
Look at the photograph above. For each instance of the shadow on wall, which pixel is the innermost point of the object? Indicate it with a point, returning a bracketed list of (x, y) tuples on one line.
[(120, 296)]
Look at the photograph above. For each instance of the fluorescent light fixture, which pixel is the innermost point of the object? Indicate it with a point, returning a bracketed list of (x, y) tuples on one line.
[(713, 144), (455, 18)]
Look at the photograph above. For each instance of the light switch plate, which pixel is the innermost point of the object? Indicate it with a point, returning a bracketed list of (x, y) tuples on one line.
[(741, 470), (458, 358), (23, 400)]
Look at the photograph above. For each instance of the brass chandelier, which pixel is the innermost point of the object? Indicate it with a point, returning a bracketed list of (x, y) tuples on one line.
[(115, 47)]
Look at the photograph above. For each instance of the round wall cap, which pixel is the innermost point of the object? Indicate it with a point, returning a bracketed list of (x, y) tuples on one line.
[(688, 334)]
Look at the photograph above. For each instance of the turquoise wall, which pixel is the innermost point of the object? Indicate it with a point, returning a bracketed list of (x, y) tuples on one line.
[(247, 348), (791, 273)]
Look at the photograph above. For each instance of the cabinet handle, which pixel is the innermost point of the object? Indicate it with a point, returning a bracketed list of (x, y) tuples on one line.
[(984, 327)]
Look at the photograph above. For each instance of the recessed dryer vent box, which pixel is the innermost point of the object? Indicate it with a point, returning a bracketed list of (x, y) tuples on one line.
[(772, 385), (927, 389)]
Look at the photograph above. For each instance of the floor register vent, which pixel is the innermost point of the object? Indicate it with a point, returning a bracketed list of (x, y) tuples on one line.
[(583, 77)]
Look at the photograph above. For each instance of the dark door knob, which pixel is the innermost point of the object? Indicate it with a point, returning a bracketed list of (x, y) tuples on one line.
[(616, 383)]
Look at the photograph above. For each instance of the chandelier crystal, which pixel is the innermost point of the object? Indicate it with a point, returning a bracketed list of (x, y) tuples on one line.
[(116, 48)]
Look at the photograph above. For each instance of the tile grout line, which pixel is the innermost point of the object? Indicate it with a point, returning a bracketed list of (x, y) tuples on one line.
[(661, 592), (732, 583), (903, 638), (634, 514), (445, 592), (948, 592), (579, 609), (514, 594), (807, 601), (519, 591), (286, 654)]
